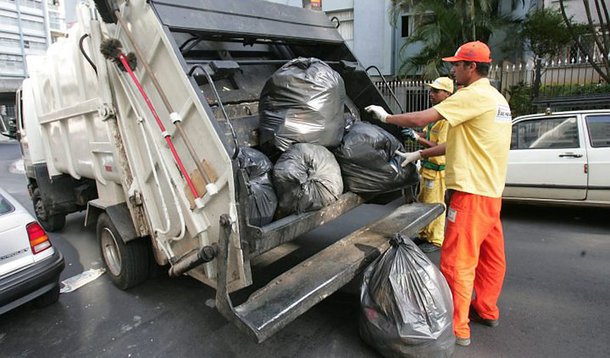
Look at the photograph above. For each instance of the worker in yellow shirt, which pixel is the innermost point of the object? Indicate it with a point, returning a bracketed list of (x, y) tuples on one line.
[(477, 147), (432, 172)]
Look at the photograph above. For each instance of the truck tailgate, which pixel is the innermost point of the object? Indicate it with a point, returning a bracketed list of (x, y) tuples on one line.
[(294, 292)]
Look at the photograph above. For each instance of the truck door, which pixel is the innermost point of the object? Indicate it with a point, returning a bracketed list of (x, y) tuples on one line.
[(547, 159), (598, 130)]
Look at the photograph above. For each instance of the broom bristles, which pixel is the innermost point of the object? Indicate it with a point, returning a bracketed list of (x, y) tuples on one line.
[(111, 48)]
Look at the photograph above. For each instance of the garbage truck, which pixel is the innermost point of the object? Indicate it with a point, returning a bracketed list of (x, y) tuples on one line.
[(144, 139)]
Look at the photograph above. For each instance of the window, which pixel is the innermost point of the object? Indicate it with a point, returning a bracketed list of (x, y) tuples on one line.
[(346, 21), (5, 206), (404, 28), (545, 133), (599, 130)]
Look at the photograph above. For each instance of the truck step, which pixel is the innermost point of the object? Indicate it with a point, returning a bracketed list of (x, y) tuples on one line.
[(294, 292)]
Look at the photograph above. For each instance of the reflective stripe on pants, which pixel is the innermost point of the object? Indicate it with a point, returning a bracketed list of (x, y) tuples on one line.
[(472, 257)]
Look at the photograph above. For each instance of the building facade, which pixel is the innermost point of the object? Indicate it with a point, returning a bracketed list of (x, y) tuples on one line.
[(27, 27)]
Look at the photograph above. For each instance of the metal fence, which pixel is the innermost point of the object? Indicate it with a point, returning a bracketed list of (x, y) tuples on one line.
[(567, 83), (410, 95), (558, 77)]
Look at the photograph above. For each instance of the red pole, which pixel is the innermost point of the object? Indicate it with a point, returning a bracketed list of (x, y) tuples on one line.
[(165, 134)]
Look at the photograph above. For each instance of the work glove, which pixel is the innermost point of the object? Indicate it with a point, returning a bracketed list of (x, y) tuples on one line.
[(408, 157), (410, 133), (377, 112)]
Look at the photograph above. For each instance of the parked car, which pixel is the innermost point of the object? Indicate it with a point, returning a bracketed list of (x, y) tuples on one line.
[(29, 265), (560, 158)]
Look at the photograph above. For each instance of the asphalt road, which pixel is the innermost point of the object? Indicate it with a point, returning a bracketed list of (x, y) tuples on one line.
[(554, 303)]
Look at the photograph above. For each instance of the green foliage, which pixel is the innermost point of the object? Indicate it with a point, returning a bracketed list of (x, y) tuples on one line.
[(545, 32), (441, 26), (520, 95), (575, 89), (596, 28), (520, 99)]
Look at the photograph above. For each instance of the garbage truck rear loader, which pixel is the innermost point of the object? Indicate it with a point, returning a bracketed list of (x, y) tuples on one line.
[(147, 143)]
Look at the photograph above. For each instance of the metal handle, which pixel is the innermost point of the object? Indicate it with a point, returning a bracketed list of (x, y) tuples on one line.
[(570, 155)]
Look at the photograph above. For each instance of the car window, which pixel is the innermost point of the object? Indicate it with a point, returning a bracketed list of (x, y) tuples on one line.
[(545, 133), (599, 130), (5, 206)]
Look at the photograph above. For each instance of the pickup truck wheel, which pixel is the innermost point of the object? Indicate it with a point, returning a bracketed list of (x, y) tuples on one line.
[(127, 264), (106, 10), (47, 298), (50, 223)]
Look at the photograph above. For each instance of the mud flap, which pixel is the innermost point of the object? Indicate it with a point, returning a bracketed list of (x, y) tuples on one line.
[(297, 290)]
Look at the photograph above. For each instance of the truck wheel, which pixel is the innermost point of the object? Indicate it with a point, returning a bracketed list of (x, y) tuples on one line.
[(106, 10), (50, 223), (127, 263), (47, 298)]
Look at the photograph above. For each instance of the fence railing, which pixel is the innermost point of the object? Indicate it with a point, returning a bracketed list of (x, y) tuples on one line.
[(412, 95), (560, 77), (570, 82)]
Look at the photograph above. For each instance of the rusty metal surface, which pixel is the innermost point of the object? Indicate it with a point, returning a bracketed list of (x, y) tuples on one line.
[(297, 290), (291, 227)]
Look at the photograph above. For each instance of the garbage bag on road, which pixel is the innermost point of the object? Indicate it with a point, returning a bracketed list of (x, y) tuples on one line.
[(406, 304), (306, 178), (303, 102)]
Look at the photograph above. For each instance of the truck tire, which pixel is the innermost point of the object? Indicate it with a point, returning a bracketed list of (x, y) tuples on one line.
[(127, 263), (106, 10), (50, 223)]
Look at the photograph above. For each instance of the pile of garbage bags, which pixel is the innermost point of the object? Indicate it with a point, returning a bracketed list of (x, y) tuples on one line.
[(320, 147)]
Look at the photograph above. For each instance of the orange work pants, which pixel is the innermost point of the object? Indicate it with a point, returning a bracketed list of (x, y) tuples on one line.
[(472, 257)]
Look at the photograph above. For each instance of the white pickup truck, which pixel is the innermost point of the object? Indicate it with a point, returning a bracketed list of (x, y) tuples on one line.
[(560, 158)]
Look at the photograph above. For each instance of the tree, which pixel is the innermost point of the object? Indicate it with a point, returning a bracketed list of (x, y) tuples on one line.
[(545, 34), (442, 25), (598, 31)]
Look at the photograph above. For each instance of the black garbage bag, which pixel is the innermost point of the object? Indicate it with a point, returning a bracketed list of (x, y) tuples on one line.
[(406, 305), (351, 114), (369, 163), (302, 102), (262, 200), (306, 178)]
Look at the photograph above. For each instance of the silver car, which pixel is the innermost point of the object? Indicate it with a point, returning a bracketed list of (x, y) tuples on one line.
[(29, 265)]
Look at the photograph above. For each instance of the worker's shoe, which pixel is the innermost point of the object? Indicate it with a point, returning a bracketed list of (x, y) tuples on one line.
[(464, 342), (474, 315), (428, 247)]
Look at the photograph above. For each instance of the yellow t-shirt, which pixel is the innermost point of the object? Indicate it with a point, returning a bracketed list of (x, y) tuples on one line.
[(478, 140), (438, 135)]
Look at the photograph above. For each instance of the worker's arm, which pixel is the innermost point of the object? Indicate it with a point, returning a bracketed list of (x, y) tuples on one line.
[(426, 143), (421, 154), (412, 119), (434, 151), (417, 137)]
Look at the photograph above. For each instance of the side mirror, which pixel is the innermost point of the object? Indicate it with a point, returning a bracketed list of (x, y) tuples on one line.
[(8, 127)]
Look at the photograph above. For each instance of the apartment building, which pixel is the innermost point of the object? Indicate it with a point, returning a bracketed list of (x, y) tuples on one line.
[(27, 27)]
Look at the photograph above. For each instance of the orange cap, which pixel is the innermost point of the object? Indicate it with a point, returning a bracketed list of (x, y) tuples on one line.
[(475, 51)]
